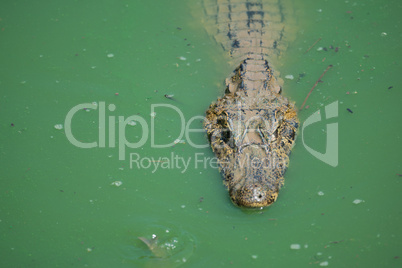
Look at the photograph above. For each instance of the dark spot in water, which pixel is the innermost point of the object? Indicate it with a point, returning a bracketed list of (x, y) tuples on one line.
[(349, 110)]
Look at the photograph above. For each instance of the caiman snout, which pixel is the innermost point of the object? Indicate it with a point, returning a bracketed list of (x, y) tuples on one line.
[(253, 196)]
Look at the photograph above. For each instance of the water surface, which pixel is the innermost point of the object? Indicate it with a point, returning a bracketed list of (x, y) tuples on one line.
[(64, 206)]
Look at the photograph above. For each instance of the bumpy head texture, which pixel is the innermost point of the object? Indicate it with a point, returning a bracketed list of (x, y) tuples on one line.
[(252, 130)]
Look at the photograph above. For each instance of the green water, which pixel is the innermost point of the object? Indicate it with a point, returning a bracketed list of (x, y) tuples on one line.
[(63, 206)]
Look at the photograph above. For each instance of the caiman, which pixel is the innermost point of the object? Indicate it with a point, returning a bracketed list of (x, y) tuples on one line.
[(252, 128)]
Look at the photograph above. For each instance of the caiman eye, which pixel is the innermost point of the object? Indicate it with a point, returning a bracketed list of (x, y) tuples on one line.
[(226, 135), (221, 121), (225, 132)]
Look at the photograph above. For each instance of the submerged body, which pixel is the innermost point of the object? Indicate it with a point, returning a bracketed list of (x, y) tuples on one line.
[(252, 127)]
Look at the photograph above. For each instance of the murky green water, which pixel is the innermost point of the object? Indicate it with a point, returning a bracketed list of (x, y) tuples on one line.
[(66, 206)]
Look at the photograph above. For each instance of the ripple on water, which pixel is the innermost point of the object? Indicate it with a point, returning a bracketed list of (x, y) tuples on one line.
[(159, 246)]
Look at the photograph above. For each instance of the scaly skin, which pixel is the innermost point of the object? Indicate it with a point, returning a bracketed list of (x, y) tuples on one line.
[(252, 132), (252, 128)]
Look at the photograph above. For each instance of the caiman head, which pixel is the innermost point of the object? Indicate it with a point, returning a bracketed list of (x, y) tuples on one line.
[(251, 130), (252, 139), (251, 155), (253, 196), (254, 182)]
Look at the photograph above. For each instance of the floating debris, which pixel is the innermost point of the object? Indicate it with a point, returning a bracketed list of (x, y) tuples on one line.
[(357, 201), (176, 141), (116, 183), (318, 40), (110, 55), (58, 126), (316, 83), (153, 114), (169, 96), (132, 123), (336, 242), (321, 193), (324, 263), (290, 77), (182, 58), (349, 110), (295, 246)]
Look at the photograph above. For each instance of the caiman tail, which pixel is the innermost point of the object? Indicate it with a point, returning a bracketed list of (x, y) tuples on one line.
[(252, 128)]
